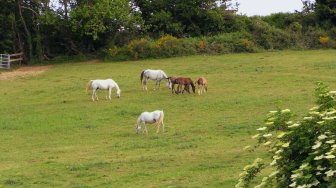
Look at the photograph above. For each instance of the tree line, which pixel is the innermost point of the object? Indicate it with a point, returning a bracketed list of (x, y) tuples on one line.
[(44, 29)]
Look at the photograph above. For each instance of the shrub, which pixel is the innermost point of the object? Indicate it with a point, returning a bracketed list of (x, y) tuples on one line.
[(244, 45), (202, 46), (312, 37), (140, 48), (269, 37), (113, 51), (233, 42), (187, 46), (167, 46), (303, 152), (324, 40)]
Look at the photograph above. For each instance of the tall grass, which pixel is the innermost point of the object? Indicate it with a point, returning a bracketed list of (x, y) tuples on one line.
[(53, 135)]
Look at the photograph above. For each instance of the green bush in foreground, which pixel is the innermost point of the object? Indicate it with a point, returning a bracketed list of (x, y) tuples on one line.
[(303, 152)]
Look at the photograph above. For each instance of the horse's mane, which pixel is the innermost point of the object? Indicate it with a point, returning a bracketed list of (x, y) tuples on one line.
[(89, 85)]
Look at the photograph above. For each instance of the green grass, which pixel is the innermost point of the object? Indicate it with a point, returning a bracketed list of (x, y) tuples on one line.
[(53, 135)]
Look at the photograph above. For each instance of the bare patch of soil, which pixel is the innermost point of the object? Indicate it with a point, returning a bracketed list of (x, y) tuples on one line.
[(23, 72)]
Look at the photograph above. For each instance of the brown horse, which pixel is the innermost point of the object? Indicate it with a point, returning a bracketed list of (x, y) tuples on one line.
[(181, 81), (202, 85)]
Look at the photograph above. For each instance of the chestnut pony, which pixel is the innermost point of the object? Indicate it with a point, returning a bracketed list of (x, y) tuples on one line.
[(181, 81), (202, 85)]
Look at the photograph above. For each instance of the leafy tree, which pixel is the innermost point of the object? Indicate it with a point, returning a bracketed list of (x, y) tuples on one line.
[(7, 27), (326, 10), (100, 20), (303, 152), (184, 18)]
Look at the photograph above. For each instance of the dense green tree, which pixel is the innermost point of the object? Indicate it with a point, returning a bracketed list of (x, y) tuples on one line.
[(185, 18), (326, 10), (100, 21), (7, 27)]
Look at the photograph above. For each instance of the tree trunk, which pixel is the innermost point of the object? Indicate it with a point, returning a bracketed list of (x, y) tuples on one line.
[(29, 38), (65, 5)]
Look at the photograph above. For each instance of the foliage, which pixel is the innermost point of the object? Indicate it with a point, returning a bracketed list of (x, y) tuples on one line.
[(324, 40), (103, 17), (167, 46), (44, 30), (140, 48), (326, 10), (303, 152), (185, 18), (250, 171), (269, 37)]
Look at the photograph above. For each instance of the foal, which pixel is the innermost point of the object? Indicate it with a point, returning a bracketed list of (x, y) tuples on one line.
[(202, 85), (181, 81)]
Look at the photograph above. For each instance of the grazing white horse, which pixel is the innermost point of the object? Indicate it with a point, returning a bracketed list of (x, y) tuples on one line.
[(107, 84), (156, 75), (150, 117)]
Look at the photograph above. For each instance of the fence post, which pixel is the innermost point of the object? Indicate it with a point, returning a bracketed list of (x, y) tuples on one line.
[(8, 63)]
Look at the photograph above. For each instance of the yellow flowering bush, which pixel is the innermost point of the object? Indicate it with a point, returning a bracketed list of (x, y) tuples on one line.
[(324, 40), (167, 46)]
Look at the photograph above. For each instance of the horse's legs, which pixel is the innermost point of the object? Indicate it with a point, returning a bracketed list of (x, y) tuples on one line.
[(109, 92), (144, 84), (156, 84), (93, 94), (179, 88), (173, 88), (96, 95), (145, 128), (157, 127), (187, 87)]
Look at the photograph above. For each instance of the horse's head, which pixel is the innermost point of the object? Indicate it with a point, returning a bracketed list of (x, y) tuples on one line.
[(169, 83), (137, 128), (118, 93)]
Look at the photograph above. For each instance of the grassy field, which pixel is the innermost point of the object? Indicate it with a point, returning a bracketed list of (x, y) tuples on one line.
[(53, 135)]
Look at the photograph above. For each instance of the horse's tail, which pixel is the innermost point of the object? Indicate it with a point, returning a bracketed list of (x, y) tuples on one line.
[(89, 85), (141, 76), (192, 86), (160, 121)]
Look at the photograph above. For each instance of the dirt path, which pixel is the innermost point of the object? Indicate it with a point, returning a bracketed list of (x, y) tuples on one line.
[(23, 72)]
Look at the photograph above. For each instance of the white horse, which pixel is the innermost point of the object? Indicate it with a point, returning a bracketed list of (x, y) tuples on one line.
[(157, 75), (150, 117), (107, 84)]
